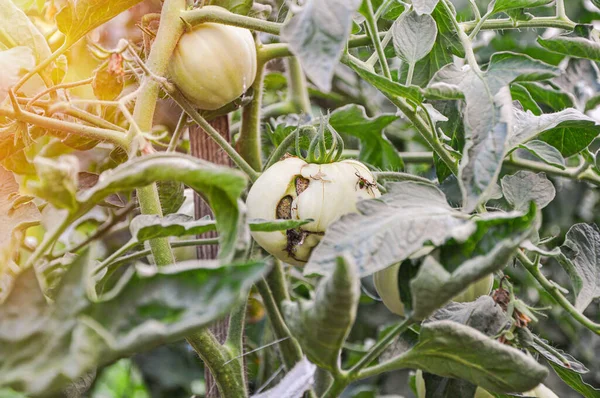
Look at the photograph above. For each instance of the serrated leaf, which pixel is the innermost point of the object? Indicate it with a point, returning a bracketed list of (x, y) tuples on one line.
[(548, 98), (569, 131), (446, 45), (424, 6), (573, 46), (44, 346), (322, 325), (79, 17), (375, 148), (21, 32), (295, 383), (575, 381), (524, 187), (317, 36), (520, 93), (483, 314), (221, 186), (414, 36), (463, 262), (582, 247), (13, 63), (471, 355), (488, 119), (505, 5), (545, 152), (390, 229)]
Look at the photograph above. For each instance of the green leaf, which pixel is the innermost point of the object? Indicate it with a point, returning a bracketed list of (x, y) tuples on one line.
[(260, 225), (171, 196), (488, 117), (424, 6), (446, 45), (519, 93), (545, 152), (385, 231), (317, 36), (145, 227), (524, 187), (493, 366), (45, 346), (241, 7), (483, 314), (464, 261), (56, 181), (14, 63), (15, 215), (79, 17), (322, 325), (575, 381), (414, 36), (121, 379), (573, 44), (221, 186), (388, 87), (375, 148), (21, 32), (505, 5), (569, 131), (549, 99), (582, 248)]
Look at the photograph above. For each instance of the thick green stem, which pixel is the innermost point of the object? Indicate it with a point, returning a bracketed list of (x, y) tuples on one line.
[(290, 349), (560, 10), (380, 346), (399, 176), (228, 372), (278, 284), (582, 174), (249, 142), (169, 31), (235, 330), (201, 15), (374, 33), (297, 90), (554, 291), (338, 386)]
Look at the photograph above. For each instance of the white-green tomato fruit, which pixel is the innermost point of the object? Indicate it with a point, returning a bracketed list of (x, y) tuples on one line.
[(386, 284), (213, 64), (293, 189), (541, 391)]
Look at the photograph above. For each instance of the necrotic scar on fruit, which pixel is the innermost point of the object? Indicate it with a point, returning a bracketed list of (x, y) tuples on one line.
[(284, 208), (301, 184)]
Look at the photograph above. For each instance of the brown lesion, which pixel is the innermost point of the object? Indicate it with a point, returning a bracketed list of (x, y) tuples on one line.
[(301, 184), (284, 208), (295, 238)]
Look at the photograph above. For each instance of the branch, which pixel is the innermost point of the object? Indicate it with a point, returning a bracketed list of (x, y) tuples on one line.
[(553, 290), (201, 15), (95, 133)]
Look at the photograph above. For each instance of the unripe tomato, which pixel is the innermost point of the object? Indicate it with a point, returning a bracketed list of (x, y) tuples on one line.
[(541, 391), (295, 189), (386, 283), (213, 64)]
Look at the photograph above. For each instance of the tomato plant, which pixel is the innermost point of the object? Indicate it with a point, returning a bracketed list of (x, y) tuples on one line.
[(318, 198)]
